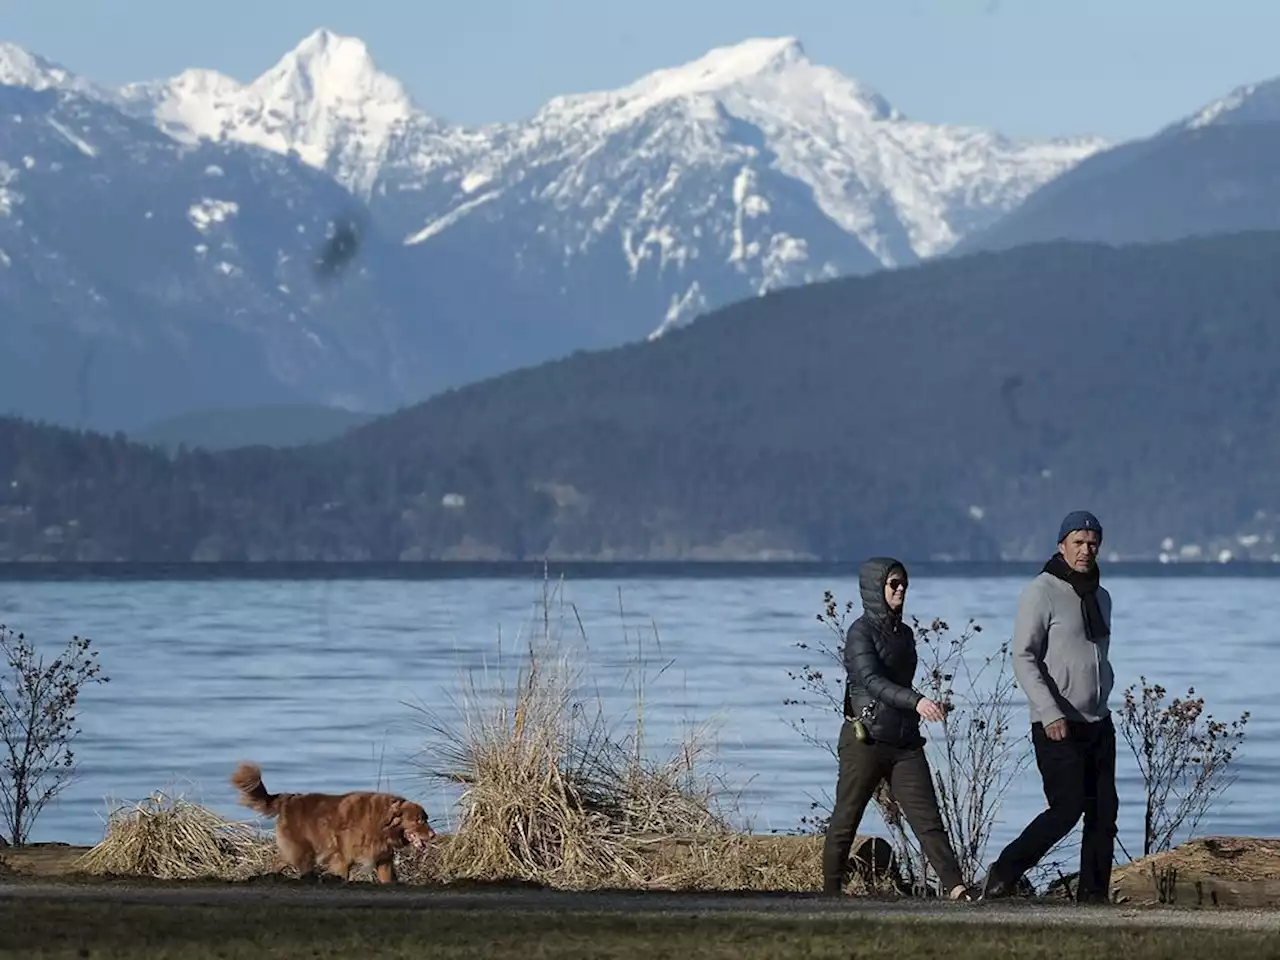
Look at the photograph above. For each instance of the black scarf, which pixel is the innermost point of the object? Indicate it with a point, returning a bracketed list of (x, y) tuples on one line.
[(1086, 588)]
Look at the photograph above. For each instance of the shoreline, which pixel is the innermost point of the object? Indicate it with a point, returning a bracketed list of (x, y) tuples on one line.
[(71, 571)]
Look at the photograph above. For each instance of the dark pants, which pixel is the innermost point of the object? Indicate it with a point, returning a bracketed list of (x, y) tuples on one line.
[(862, 768), (1079, 775)]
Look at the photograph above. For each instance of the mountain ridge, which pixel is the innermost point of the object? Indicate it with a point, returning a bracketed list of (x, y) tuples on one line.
[(952, 410), (529, 193)]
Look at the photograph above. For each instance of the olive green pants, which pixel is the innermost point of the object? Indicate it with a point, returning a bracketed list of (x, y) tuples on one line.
[(862, 767)]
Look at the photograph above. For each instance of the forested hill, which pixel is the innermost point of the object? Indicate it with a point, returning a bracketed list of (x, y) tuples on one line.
[(953, 409)]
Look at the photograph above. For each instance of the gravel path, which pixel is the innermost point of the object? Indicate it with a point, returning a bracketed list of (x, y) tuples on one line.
[(551, 901)]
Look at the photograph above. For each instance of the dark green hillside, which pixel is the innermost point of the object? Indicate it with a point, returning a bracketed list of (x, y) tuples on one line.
[(230, 427), (957, 408)]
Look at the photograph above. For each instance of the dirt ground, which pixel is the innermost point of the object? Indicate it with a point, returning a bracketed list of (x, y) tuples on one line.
[(1223, 880)]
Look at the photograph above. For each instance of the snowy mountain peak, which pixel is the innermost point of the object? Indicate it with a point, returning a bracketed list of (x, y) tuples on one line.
[(325, 100), (1250, 103), (18, 68), (339, 73), (764, 70), (721, 67)]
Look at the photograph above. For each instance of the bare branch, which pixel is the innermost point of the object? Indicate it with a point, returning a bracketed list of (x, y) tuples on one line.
[(38, 724), (1184, 757)]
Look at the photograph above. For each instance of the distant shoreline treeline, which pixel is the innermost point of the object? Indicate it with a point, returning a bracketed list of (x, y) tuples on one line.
[(581, 570)]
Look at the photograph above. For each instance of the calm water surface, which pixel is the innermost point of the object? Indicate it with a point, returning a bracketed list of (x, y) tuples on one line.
[(319, 681)]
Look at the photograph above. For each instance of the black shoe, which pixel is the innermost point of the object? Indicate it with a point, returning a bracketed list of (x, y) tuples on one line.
[(833, 888), (996, 887)]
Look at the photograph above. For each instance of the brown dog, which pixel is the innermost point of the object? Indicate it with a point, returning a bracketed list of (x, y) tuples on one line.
[(336, 831)]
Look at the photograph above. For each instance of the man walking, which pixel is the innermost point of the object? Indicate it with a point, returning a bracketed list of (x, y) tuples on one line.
[(1061, 642)]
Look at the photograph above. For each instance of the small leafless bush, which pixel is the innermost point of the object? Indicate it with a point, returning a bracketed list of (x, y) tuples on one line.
[(38, 725), (1184, 756)]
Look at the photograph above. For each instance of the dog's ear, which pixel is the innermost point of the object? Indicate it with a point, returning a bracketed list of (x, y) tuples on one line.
[(393, 822)]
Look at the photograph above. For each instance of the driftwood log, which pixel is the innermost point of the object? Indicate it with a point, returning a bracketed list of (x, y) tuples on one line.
[(1205, 872)]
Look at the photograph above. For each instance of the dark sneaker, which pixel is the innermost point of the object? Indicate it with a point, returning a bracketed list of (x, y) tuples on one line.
[(996, 888)]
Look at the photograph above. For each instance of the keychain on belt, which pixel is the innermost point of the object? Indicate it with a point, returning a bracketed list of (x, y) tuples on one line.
[(860, 728)]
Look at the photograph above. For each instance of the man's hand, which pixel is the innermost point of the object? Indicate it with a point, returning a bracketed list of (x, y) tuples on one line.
[(1057, 730), (930, 710)]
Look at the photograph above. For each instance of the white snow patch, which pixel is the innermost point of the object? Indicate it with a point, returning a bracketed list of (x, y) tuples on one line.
[(976, 512), (681, 310), (474, 180), (4, 259), (75, 140), (1219, 109), (208, 212), (226, 269), (9, 198), (29, 162), (784, 251), (213, 170), (450, 218)]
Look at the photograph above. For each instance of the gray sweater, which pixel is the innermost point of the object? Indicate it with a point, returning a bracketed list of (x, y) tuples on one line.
[(1062, 672)]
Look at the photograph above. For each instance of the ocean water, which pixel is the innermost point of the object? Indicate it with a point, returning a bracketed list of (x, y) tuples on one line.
[(328, 683)]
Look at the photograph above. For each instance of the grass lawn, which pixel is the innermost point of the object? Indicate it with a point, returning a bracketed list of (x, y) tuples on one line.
[(48, 929)]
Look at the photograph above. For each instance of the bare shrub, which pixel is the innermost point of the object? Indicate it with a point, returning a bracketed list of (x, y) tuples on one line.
[(1184, 756), (38, 725), (977, 756), (974, 760)]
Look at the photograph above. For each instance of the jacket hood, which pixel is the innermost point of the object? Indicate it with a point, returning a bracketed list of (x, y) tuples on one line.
[(871, 580)]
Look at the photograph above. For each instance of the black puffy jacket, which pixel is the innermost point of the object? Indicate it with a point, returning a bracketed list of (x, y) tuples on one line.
[(880, 664)]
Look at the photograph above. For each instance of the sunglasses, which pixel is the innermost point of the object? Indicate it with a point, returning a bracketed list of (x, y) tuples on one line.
[(896, 583)]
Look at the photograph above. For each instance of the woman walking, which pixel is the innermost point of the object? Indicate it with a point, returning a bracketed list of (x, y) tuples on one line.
[(880, 738)]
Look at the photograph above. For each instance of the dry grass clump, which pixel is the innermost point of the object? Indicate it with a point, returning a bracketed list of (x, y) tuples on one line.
[(737, 861), (553, 795), (171, 838)]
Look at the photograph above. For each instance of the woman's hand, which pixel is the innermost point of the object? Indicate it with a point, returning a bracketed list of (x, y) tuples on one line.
[(930, 710)]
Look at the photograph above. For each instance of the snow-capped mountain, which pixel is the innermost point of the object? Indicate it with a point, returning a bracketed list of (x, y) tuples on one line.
[(748, 169), (324, 100), (1212, 171), (140, 276), (1248, 103)]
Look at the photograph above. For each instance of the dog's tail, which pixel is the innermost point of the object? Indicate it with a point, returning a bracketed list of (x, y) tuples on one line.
[(248, 781)]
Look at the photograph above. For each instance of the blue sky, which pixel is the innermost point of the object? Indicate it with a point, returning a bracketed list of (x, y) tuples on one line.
[(1119, 68)]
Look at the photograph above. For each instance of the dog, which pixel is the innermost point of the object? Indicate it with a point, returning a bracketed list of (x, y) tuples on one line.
[(337, 831)]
